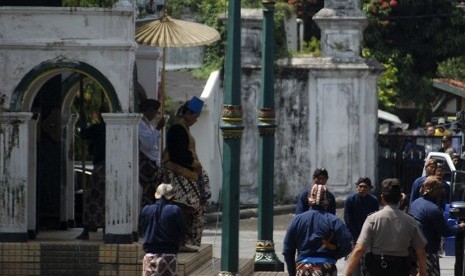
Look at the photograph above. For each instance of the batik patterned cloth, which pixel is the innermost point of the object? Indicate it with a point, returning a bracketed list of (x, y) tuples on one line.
[(192, 196), (94, 199), (324, 269), (432, 264), (159, 265), (149, 179)]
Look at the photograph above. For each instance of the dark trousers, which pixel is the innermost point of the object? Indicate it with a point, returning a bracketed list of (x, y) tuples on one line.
[(386, 265)]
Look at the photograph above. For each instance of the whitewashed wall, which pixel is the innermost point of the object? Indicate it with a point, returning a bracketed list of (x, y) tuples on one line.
[(103, 38)]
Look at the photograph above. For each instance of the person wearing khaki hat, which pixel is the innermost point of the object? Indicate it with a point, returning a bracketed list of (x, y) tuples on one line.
[(163, 227), (432, 222), (389, 233), (430, 169)]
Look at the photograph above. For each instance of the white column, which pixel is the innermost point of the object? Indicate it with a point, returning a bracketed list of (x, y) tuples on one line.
[(69, 167), (32, 176), (121, 171), (14, 143)]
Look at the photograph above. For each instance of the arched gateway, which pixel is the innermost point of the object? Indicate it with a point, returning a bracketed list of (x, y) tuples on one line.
[(43, 69)]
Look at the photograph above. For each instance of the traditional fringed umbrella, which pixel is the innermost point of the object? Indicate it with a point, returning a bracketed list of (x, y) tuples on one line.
[(168, 32)]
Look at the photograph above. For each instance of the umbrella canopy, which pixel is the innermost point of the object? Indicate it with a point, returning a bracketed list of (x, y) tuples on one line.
[(169, 32)]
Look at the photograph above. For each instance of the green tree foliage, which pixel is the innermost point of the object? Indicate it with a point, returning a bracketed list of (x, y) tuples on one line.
[(453, 68), (413, 36), (209, 11)]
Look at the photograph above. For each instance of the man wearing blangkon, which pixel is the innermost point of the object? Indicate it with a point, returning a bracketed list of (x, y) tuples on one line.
[(389, 233)]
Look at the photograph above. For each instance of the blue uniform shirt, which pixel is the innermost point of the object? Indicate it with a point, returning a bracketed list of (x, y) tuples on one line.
[(305, 234), (431, 221), (415, 193), (356, 210), (163, 226)]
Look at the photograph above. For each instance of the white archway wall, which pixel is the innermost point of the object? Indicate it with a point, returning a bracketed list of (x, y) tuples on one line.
[(101, 38), (40, 42)]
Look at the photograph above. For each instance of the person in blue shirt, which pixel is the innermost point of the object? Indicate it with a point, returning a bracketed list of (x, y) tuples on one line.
[(430, 168), (358, 206), (163, 226), (320, 177), (320, 238), (432, 222)]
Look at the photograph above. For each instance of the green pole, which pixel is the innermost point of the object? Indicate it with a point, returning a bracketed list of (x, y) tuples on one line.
[(265, 256), (232, 129)]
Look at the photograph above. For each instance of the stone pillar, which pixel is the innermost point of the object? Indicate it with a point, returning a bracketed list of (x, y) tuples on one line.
[(14, 144), (32, 176), (121, 171), (341, 23), (69, 167), (328, 107)]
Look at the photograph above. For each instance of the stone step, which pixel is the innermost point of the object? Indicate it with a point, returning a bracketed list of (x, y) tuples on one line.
[(212, 267), (189, 262)]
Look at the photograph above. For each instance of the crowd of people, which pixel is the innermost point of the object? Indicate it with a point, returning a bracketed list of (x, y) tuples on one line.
[(443, 137), (394, 235)]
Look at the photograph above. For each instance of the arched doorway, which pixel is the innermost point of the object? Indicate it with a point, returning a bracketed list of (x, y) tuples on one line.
[(49, 90)]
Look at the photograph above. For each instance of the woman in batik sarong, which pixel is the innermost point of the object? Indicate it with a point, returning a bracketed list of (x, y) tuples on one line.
[(93, 209), (183, 170)]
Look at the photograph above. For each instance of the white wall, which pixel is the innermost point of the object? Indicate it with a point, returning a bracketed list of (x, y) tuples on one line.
[(208, 138)]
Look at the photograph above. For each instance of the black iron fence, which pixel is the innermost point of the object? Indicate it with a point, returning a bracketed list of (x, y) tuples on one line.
[(403, 156)]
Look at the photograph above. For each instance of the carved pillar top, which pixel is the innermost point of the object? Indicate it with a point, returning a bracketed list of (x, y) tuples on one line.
[(11, 117), (341, 23), (342, 4), (121, 118)]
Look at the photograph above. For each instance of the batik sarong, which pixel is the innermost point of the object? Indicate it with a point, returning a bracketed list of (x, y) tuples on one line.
[(149, 179), (94, 199), (159, 265), (432, 264), (191, 195), (324, 269)]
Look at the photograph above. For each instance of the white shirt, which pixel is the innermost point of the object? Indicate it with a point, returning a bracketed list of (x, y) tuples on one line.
[(149, 140)]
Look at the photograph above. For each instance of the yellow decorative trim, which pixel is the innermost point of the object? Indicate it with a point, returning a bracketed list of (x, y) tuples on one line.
[(232, 134), (229, 119), (265, 244)]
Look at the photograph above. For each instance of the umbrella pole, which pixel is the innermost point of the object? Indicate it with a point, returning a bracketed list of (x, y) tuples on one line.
[(162, 99)]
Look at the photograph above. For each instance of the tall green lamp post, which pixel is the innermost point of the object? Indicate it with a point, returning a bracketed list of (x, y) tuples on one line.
[(232, 129), (265, 256)]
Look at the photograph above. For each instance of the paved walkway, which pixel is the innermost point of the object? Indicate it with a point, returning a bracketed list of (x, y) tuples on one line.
[(248, 239)]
